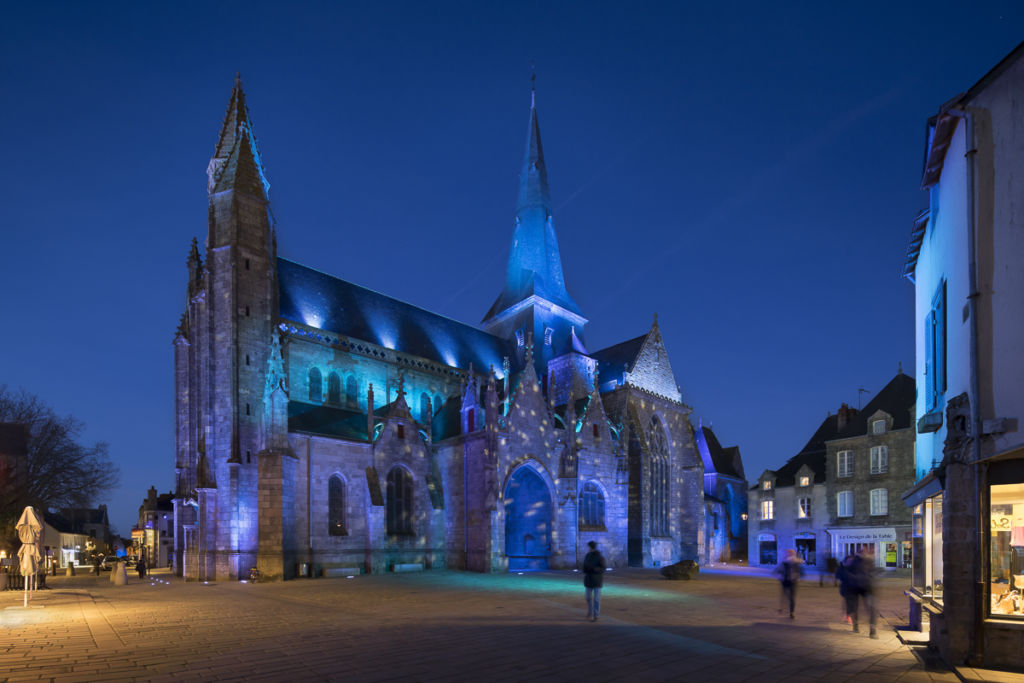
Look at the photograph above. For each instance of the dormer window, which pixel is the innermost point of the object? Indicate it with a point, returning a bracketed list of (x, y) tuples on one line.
[(767, 486), (878, 426), (805, 481)]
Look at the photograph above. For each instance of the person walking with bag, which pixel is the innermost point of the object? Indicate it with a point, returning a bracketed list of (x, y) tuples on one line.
[(593, 579)]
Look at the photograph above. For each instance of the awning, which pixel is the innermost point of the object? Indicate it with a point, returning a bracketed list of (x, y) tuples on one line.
[(931, 485)]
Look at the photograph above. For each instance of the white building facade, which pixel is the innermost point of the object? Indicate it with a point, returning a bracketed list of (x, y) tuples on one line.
[(966, 260)]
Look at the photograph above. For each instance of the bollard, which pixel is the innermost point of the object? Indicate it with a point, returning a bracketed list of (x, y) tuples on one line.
[(120, 574), (70, 570)]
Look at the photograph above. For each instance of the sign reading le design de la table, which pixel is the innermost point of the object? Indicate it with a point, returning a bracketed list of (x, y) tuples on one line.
[(883, 534)]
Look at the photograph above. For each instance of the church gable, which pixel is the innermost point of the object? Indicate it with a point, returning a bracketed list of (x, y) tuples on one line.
[(651, 370)]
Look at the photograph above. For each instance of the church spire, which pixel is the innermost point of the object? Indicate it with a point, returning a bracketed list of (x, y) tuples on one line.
[(236, 161), (534, 261)]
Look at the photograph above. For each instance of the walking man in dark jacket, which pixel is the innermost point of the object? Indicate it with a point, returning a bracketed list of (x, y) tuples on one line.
[(593, 579)]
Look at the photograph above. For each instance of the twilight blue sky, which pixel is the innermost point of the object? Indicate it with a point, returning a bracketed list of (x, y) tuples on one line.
[(748, 171)]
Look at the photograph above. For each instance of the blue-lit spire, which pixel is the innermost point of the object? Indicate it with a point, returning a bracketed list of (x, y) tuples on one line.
[(534, 261)]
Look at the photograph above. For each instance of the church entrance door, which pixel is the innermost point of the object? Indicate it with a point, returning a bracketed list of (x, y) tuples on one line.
[(527, 521)]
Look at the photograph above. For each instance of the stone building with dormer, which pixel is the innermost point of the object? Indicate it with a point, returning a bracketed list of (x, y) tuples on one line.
[(870, 465), (325, 427)]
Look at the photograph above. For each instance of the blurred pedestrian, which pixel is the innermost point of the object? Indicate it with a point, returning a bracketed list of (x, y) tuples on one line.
[(593, 579), (832, 566), (846, 589), (790, 571), (141, 567), (862, 570)]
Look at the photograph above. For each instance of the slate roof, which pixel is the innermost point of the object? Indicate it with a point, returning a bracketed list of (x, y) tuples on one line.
[(897, 399), (328, 303), (326, 421), (812, 455), (724, 461), (613, 361)]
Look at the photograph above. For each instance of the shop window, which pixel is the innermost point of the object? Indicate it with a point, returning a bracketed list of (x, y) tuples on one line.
[(879, 459), (879, 501), (767, 550), (844, 504), (803, 508), (767, 509), (591, 508), (805, 548), (336, 506), (933, 547), (844, 463), (1006, 563)]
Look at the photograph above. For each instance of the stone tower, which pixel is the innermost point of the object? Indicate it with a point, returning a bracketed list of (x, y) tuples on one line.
[(223, 348)]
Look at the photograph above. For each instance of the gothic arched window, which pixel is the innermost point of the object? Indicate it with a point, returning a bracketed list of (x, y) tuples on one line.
[(352, 391), (333, 388), (438, 404), (336, 506), (316, 385), (591, 507), (399, 502), (424, 407), (658, 500)]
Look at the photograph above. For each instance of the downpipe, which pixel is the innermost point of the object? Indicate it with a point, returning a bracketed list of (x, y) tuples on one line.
[(980, 568)]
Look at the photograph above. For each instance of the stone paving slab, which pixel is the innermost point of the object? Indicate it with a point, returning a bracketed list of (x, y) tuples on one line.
[(448, 626)]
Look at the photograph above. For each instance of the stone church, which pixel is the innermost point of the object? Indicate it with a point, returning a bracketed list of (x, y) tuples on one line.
[(324, 427)]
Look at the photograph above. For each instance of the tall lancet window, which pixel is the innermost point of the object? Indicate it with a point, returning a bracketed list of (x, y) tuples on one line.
[(316, 385), (352, 391), (399, 502), (333, 388), (336, 506), (659, 484)]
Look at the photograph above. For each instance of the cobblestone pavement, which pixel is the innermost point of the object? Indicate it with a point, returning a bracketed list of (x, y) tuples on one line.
[(448, 625)]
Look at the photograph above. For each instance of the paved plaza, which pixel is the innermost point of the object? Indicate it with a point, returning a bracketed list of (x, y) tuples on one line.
[(449, 625)]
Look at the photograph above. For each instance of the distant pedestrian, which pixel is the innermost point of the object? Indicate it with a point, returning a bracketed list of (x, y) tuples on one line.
[(790, 572), (141, 568), (832, 566), (846, 588), (593, 580), (862, 570)]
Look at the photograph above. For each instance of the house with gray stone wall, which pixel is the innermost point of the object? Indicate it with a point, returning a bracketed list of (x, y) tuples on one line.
[(322, 427), (870, 465)]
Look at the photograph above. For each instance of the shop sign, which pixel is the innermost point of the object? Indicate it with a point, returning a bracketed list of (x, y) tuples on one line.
[(865, 535)]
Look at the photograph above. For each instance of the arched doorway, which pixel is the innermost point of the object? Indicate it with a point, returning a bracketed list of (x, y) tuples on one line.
[(527, 520)]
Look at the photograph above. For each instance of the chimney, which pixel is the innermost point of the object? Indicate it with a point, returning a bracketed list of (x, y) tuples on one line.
[(844, 415)]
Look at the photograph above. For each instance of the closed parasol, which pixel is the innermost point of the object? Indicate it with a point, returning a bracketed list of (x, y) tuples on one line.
[(30, 556)]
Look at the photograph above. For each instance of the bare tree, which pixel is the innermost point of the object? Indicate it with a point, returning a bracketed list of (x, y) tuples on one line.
[(59, 472)]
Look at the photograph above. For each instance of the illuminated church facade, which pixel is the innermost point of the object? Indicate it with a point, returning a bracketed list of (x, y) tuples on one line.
[(325, 427)]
